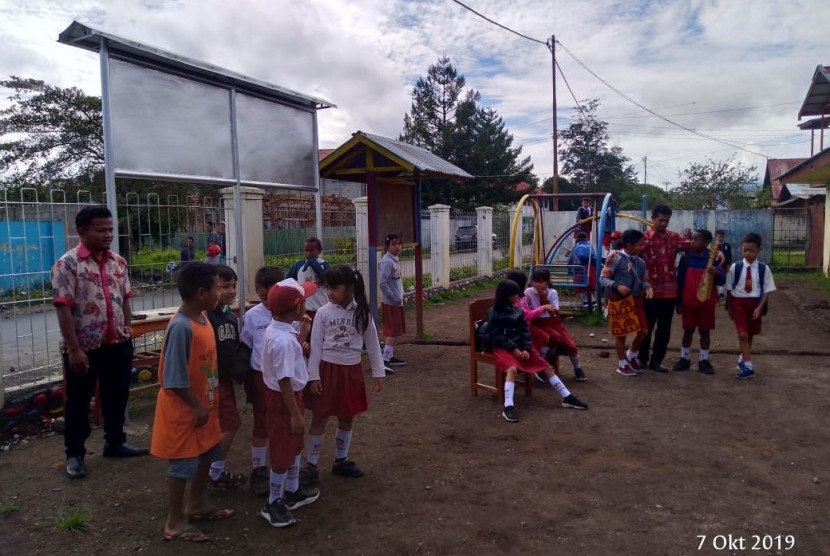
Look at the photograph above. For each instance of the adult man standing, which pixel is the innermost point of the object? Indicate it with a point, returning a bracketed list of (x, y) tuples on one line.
[(188, 252), (212, 235), (660, 253), (223, 242), (91, 293)]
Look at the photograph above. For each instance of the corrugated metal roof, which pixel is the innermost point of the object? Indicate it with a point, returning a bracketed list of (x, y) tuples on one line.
[(776, 167), (792, 193), (424, 161), (814, 171), (817, 100), (816, 123), (83, 36)]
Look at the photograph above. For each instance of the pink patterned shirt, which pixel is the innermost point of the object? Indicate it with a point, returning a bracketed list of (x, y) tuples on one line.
[(660, 254), (95, 292)]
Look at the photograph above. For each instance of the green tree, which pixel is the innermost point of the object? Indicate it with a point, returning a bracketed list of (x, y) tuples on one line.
[(587, 160), (717, 184), (632, 199), (446, 118)]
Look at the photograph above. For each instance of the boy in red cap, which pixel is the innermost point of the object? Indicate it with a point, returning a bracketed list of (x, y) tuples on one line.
[(285, 374)]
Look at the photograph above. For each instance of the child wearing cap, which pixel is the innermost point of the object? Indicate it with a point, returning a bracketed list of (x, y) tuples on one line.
[(285, 376)]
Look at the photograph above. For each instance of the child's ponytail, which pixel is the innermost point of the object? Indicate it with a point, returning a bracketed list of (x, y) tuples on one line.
[(361, 313)]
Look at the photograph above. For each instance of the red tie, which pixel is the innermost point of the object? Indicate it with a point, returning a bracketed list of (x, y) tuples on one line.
[(748, 284)]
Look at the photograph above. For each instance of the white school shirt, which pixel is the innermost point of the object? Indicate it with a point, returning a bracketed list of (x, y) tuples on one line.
[(533, 301), (282, 357), (254, 324), (739, 291), (335, 339)]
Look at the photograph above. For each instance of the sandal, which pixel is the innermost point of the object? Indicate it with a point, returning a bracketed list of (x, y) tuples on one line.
[(227, 481), (214, 514), (191, 534)]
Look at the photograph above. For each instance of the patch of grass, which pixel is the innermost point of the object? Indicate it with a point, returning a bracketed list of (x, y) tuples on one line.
[(455, 295), (785, 258), (133, 411), (409, 283), (285, 262), (73, 520), (155, 260), (7, 509), (592, 319), (815, 280), (461, 272)]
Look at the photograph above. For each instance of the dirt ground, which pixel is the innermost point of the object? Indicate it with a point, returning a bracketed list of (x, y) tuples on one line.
[(657, 462)]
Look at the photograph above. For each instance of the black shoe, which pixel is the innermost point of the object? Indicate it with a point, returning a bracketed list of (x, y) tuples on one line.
[(303, 497), (124, 451), (510, 414), (573, 402), (658, 367), (309, 476), (260, 481), (395, 362), (346, 468), (579, 374), (277, 514), (75, 467), (682, 364), (705, 367)]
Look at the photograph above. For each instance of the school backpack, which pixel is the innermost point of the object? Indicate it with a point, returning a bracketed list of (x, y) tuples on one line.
[(762, 270), (582, 252)]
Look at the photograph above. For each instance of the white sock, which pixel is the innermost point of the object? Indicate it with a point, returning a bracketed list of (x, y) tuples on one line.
[(508, 393), (342, 440), (258, 456), (314, 445), (575, 361), (685, 351), (216, 469), (630, 354), (388, 352), (704, 355), (292, 481), (559, 386), (740, 358), (622, 363), (277, 486), (748, 365)]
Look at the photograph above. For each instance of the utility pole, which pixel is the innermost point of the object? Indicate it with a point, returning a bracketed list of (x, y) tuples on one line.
[(645, 170), (552, 47), (666, 184)]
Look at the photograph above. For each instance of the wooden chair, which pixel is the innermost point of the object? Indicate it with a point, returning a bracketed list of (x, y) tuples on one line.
[(478, 311)]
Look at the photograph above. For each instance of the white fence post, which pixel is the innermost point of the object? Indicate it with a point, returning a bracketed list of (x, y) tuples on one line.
[(439, 216), (252, 233), (361, 228), (484, 251)]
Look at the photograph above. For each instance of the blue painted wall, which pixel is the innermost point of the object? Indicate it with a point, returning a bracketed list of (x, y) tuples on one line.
[(27, 252)]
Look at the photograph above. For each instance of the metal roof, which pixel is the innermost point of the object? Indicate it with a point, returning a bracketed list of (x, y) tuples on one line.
[(816, 123), (777, 167), (83, 36), (814, 171), (817, 101), (420, 158)]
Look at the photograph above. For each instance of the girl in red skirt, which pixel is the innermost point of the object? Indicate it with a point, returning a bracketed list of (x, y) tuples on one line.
[(510, 337), (336, 387), (550, 325)]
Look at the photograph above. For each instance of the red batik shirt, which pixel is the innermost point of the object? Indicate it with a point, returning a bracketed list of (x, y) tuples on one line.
[(660, 254), (95, 292)]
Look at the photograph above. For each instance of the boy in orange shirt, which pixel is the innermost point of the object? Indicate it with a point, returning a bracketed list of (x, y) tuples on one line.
[(186, 426)]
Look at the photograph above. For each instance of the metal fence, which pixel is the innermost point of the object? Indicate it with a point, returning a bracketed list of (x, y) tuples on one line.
[(791, 231)]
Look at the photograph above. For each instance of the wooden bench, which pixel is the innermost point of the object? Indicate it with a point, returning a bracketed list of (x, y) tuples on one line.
[(478, 311)]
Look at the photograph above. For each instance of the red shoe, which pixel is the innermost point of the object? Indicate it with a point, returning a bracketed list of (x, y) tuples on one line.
[(626, 370), (634, 363)]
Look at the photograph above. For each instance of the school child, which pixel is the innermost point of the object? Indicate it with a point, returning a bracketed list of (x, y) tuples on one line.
[(696, 314), (311, 269), (586, 210), (624, 274), (513, 350), (226, 333), (748, 285), (726, 249), (336, 387), (285, 375), (539, 341), (549, 323), (391, 300), (186, 425), (584, 257), (254, 324)]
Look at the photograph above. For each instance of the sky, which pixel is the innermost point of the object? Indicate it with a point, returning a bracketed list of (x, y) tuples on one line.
[(737, 70)]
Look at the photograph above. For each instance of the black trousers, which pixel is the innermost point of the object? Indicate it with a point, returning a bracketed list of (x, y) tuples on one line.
[(110, 365), (659, 313)]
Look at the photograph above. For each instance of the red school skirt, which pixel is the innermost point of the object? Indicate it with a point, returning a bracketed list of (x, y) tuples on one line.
[(283, 445), (344, 391), (579, 278), (556, 333), (394, 320), (505, 359)]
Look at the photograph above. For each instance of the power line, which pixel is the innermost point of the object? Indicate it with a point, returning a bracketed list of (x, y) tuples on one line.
[(626, 116), (497, 24), (568, 85)]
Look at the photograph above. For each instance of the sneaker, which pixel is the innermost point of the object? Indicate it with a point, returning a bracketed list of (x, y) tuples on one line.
[(682, 364), (540, 376), (705, 367), (260, 481), (346, 468), (626, 370), (658, 367), (574, 403), (634, 363), (579, 375), (309, 476), (395, 362), (387, 369), (744, 372), (227, 481), (277, 514), (303, 497), (510, 414)]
